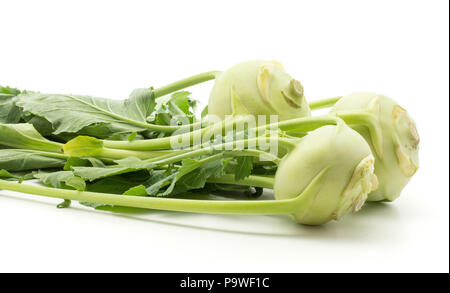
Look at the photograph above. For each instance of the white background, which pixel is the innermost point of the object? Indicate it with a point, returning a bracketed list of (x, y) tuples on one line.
[(107, 48)]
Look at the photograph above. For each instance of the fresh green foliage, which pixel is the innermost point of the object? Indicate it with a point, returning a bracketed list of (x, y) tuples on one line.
[(9, 113), (70, 113), (22, 160), (176, 110), (25, 136), (82, 162), (7, 175), (61, 179), (243, 167)]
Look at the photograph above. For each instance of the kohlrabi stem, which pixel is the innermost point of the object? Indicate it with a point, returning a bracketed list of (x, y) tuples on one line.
[(265, 207), (292, 125), (115, 154), (170, 204), (204, 149), (367, 119), (252, 180), (265, 156), (306, 124), (323, 103), (184, 83), (165, 142)]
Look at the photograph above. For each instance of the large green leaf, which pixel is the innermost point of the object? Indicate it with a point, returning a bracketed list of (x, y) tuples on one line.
[(61, 179), (70, 113), (128, 165), (9, 113), (24, 136), (243, 168), (115, 184), (21, 160), (178, 109), (192, 174), (82, 162)]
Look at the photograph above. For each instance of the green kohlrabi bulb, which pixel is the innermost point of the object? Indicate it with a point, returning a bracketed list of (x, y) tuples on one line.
[(258, 87), (392, 135), (345, 163)]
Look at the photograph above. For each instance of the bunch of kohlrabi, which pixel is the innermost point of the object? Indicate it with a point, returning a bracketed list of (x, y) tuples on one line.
[(151, 151)]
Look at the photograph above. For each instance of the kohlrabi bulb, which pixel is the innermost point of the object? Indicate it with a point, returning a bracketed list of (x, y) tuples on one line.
[(329, 173), (392, 135), (258, 87)]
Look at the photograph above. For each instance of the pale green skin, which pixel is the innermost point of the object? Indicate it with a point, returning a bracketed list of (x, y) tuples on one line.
[(337, 151), (391, 134), (257, 87)]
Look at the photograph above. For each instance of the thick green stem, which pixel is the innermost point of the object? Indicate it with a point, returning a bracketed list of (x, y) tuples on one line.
[(323, 103), (184, 83), (293, 125), (115, 154), (298, 204), (193, 137), (172, 156), (306, 124), (171, 204), (370, 120), (252, 180)]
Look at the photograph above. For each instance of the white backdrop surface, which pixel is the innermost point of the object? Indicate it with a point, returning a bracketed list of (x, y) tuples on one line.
[(107, 48)]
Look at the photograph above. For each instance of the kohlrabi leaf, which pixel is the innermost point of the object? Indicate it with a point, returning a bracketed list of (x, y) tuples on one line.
[(82, 146), (197, 178), (22, 160), (132, 136), (116, 184), (178, 109), (4, 174), (82, 162), (133, 162), (8, 91), (159, 179), (204, 112), (138, 190), (264, 169), (99, 130), (191, 175), (94, 173), (114, 209), (9, 113), (61, 179), (24, 136), (243, 167), (76, 182), (183, 101), (127, 165), (15, 176), (70, 113)]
